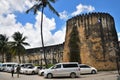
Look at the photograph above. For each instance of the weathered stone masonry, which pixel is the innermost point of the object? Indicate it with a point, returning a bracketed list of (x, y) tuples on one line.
[(97, 40)]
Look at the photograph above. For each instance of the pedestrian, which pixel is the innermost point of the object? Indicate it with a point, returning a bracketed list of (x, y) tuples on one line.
[(12, 70), (18, 70)]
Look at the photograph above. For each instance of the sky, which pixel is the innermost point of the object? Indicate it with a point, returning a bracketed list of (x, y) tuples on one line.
[(13, 18)]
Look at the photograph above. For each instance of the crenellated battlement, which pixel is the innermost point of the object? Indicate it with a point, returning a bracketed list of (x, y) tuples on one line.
[(91, 15)]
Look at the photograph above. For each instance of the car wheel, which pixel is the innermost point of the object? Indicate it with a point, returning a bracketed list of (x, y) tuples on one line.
[(33, 72), (49, 75), (93, 72), (72, 75)]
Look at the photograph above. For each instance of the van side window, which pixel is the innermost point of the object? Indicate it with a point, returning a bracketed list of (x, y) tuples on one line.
[(57, 66), (4, 65), (9, 65), (22, 66), (69, 65)]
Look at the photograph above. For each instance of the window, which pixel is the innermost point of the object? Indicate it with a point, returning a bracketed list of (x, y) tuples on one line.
[(9, 65), (84, 66), (69, 65), (56, 66), (4, 65), (22, 65), (39, 67), (26, 65), (30, 67)]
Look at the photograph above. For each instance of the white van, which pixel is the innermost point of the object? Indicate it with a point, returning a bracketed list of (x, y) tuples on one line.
[(8, 66), (71, 69)]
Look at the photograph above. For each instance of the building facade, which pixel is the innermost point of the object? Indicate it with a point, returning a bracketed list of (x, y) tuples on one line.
[(54, 54)]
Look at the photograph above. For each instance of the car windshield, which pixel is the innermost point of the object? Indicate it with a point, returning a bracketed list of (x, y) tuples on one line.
[(39, 67), (3, 65), (51, 67), (30, 67)]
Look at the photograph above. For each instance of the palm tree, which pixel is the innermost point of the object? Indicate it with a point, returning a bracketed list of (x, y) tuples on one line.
[(41, 5), (17, 46), (3, 45)]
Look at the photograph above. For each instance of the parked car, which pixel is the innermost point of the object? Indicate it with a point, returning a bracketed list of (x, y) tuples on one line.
[(41, 72), (71, 69), (23, 66), (21, 70), (87, 69), (1, 66), (31, 70)]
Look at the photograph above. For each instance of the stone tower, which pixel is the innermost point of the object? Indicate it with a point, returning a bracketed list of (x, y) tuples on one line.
[(91, 39)]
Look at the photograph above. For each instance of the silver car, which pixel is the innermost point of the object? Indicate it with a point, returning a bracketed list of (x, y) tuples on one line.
[(87, 69), (31, 70)]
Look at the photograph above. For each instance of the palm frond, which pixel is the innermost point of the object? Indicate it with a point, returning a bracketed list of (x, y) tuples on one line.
[(11, 43), (23, 39), (35, 8), (25, 43), (53, 1), (52, 9), (3, 37), (17, 36), (3, 44), (13, 50)]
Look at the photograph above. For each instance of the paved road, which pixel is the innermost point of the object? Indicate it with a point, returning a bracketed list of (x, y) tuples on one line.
[(108, 75)]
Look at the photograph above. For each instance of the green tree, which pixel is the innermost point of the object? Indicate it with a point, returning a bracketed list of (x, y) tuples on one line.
[(41, 4), (3, 46), (17, 46)]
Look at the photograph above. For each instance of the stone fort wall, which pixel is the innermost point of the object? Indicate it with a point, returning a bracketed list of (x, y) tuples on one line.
[(97, 40)]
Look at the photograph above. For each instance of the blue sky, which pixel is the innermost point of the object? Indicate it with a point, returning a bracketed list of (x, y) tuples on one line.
[(13, 18)]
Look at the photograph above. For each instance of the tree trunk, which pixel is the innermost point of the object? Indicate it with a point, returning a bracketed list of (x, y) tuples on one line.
[(19, 58), (23, 58), (42, 37), (2, 58)]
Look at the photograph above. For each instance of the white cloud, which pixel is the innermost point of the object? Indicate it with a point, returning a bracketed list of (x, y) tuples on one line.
[(119, 36), (48, 24), (83, 8), (59, 36), (8, 6), (8, 19), (9, 24), (64, 15)]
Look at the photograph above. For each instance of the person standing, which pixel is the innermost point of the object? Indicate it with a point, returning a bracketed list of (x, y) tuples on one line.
[(12, 70), (18, 70)]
